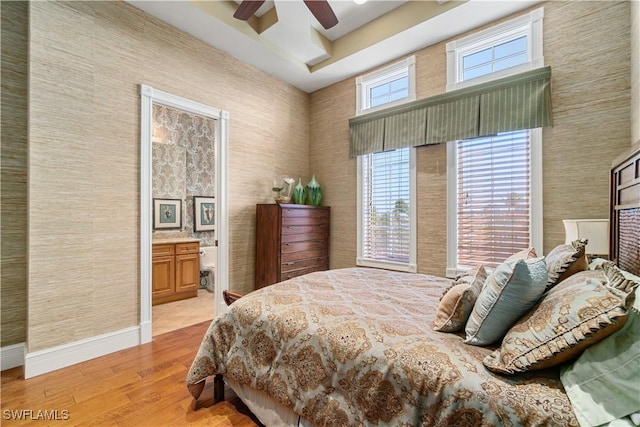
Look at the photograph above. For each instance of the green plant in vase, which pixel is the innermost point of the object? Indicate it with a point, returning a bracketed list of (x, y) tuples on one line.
[(298, 195), (314, 192)]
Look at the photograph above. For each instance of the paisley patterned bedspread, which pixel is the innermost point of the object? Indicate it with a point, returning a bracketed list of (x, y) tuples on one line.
[(356, 346)]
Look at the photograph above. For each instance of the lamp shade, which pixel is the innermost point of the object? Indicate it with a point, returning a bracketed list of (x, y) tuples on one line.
[(596, 231)]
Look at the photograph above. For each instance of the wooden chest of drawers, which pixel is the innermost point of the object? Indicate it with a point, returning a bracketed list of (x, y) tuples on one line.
[(291, 240)]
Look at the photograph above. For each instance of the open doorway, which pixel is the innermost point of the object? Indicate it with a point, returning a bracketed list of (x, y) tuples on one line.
[(184, 165), (183, 169)]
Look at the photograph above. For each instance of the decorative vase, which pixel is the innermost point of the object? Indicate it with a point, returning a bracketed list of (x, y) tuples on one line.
[(314, 192), (282, 189), (298, 195)]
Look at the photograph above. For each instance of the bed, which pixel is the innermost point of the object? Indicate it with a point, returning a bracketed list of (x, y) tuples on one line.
[(357, 346)]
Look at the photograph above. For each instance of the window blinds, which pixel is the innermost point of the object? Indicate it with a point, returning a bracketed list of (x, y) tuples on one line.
[(493, 198), (512, 103), (386, 196)]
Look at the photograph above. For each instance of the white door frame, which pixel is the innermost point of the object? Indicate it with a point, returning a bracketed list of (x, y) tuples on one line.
[(150, 96)]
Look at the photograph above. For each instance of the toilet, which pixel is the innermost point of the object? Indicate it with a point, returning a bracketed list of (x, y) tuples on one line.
[(208, 255)]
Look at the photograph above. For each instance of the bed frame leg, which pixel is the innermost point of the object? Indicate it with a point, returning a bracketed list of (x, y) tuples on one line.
[(218, 388)]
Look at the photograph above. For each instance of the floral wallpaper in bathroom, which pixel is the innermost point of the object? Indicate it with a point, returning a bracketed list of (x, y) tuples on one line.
[(183, 164)]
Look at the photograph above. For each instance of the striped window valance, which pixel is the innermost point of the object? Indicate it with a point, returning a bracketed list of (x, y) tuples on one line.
[(512, 103)]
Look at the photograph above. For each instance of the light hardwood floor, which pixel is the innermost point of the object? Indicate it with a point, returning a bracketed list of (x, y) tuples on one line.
[(137, 387)]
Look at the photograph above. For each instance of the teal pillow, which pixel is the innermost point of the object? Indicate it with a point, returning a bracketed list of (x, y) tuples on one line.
[(509, 292)]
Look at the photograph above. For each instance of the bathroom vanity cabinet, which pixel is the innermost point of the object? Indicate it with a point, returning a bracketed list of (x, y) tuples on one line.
[(175, 271)]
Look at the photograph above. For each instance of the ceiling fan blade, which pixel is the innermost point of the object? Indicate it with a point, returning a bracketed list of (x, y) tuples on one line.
[(247, 8), (323, 12)]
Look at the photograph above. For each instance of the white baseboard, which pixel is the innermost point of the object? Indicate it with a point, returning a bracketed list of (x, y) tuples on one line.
[(11, 356), (146, 332), (51, 359)]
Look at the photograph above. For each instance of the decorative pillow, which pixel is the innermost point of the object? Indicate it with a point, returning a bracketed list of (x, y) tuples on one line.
[(566, 260), (457, 302), (468, 276), (627, 280), (573, 315), (523, 254), (610, 365), (509, 292)]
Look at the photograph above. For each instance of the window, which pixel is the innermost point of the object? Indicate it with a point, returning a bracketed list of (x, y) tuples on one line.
[(386, 181), (495, 58), (391, 91), (385, 191), (492, 198), (386, 87), (505, 49), (494, 183)]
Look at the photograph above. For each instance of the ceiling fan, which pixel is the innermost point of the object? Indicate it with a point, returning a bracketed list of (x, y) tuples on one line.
[(319, 8)]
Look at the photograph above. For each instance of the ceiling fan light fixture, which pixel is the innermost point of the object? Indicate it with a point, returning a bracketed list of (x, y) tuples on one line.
[(320, 9), (323, 12), (247, 8)]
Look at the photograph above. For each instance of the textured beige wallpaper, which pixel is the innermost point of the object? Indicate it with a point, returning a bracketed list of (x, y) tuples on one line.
[(13, 170), (635, 71), (587, 46), (87, 61), (591, 72)]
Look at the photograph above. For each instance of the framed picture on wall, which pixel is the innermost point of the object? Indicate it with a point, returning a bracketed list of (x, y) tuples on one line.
[(204, 213), (167, 214)]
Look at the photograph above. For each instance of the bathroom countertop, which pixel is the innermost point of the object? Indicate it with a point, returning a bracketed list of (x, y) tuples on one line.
[(175, 240)]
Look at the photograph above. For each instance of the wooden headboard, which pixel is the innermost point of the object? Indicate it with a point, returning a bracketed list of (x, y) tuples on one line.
[(624, 217)]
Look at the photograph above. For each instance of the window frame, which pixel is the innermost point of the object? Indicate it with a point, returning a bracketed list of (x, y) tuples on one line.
[(364, 83), (531, 25), (385, 75)]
